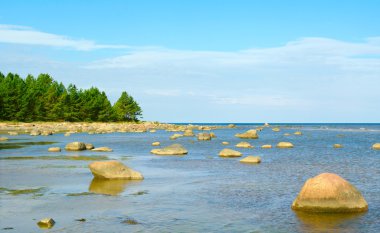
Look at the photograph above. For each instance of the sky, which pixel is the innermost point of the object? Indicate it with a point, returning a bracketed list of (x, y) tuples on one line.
[(206, 60)]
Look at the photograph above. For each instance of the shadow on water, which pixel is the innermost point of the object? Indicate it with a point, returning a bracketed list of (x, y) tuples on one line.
[(109, 187), (17, 145), (326, 222)]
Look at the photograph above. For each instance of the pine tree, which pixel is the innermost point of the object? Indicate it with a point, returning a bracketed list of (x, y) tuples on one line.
[(126, 108)]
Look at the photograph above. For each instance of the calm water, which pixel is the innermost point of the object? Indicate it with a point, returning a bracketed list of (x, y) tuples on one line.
[(199, 192)]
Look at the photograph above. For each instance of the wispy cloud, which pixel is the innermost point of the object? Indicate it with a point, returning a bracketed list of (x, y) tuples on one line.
[(14, 34)]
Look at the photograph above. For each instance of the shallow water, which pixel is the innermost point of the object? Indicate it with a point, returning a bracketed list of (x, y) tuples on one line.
[(199, 192)]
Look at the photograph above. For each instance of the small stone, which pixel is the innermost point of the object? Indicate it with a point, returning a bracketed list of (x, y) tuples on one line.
[(229, 153), (285, 145), (376, 146), (338, 146), (46, 223), (251, 159), (266, 146), (175, 136), (244, 145), (225, 143), (276, 129), (250, 134), (113, 170), (12, 133), (156, 143), (175, 149), (298, 133), (102, 149)]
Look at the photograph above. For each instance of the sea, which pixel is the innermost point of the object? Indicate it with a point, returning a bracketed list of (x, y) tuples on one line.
[(198, 192)]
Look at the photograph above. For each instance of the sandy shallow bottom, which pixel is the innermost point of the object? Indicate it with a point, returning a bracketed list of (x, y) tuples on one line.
[(199, 192)]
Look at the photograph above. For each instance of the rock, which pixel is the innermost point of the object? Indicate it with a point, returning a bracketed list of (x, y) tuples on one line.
[(276, 129), (89, 146), (175, 136), (212, 135), (266, 146), (46, 223), (329, 192), (251, 159), (35, 133), (156, 143), (244, 145), (54, 149), (75, 146), (47, 133), (188, 133), (67, 134), (13, 133), (175, 149), (102, 149), (376, 146), (250, 134), (229, 153), (338, 146), (3, 139), (231, 126), (152, 131), (298, 133), (204, 137), (113, 170), (286, 134), (225, 143), (285, 145)]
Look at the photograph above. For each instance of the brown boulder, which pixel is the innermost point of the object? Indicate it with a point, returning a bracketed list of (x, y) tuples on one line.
[(75, 146), (250, 134), (229, 153), (175, 149), (113, 170)]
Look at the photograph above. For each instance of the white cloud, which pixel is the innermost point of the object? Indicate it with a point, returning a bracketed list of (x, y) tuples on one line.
[(14, 34)]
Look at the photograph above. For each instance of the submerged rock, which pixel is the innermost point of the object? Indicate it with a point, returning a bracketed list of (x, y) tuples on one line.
[(298, 133), (113, 170), (46, 223), (251, 159), (54, 149), (329, 192), (266, 146), (250, 134), (75, 146), (204, 137), (376, 146), (156, 143), (175, 149), (244, 145), (102, 149), (225, 143), (338, 146), (229, 153), (285, 145)]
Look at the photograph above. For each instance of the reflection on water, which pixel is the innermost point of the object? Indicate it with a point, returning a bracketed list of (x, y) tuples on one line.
[(108, 187), (326, 222)]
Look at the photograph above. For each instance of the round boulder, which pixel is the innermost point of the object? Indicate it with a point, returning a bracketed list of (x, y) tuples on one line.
[(229, 153), (376, 146), (250, 134), (175, 149), (251, 159), (113, 170), (285, 145), (75, 146), (329, 192)]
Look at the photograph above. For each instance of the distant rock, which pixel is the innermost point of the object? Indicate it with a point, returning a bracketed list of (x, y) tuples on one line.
[(175, 136), (54, 149), (229, 153), (75, 146), (46, 223), (298, 133), (225, 143), (152, 131), (102, 149), (276, 129), (89, 146), (156, 143), (67, 134), (204, 137), (46, 133), (376, 146), (244, 145), (188, 133), (251, 159), (329, 192), (212, 135), (175, 149), (285, 145), (266, 124), (266, 146), (250, 134), (35, 133), (113, 170), (231, 126), (338, 146)]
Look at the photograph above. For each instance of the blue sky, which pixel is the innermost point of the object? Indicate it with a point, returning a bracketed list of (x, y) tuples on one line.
[(207, 61)]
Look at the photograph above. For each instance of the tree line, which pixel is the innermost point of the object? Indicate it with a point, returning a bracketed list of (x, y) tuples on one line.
[(44, 99)]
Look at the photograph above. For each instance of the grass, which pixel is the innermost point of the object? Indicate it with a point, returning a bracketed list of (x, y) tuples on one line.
[(36, 191), (60, 157), (17, 145)]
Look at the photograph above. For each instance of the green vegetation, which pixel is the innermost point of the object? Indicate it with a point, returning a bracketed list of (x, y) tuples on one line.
[(43, 99), (59, 157), (22, 191), (17, 145)]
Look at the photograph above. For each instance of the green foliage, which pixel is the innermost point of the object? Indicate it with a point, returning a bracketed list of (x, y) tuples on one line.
[(43, 99)]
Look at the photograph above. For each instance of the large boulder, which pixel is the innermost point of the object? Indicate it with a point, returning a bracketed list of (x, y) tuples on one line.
[(188, 133), (204, 137), (251, 159), (329, 192), (102, 149), (75, 146), (244, 145), (229, 153), (113, 170), (376, 146), (285, 145), (250, 134), (175, 149)]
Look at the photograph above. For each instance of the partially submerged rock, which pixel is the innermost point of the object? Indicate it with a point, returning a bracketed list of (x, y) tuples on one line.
[(102, 149), (229, 153), (251, 159), (75, 146), (175, 136), (266, 146), (250, 134), (54, 149), (89, 146), (244, 145), (155, 143), (175, 149), (204, 137), (376, 146), (113, 170), (338, 146), (46, 223), (285, 145), (329, 192)]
